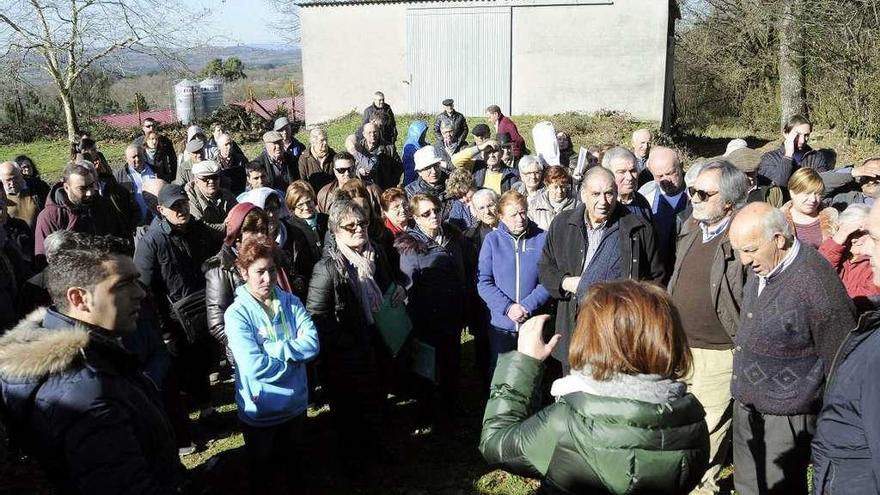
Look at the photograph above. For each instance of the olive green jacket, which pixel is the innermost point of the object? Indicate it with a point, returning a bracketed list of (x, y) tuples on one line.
[(591, 444)]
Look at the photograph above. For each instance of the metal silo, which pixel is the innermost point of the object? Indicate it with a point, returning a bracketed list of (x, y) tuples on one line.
[(187, 101), (212, 94)]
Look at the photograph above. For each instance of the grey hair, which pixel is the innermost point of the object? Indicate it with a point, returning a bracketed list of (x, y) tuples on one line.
[(775, 223), (617, 153), (446, 125), (342, 209), (528, 161), (854, 212), (733, 185), (691, 175), (593, 171), (480, 194)]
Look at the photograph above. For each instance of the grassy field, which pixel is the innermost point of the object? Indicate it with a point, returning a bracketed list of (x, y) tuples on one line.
[(585, 130)]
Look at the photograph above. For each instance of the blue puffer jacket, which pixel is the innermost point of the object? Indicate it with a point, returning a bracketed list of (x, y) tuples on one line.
[(270, 371), (508, 272), (415, 140)]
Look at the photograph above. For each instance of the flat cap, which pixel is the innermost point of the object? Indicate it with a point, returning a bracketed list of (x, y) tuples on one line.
[(272, 137), (448, 102), (206, 168), (195, 145)]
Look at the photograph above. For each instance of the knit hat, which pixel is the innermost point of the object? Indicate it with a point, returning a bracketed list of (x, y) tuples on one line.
[(234, 219)]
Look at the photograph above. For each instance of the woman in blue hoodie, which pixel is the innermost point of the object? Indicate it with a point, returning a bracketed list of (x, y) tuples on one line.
[(507, 274), (415, 140), (271, 336)]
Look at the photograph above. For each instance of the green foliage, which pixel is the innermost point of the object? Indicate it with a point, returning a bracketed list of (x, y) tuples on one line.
[(27, 115), (232, 69)]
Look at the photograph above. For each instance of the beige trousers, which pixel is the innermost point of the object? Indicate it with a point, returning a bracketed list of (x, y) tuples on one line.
[(709, 381)]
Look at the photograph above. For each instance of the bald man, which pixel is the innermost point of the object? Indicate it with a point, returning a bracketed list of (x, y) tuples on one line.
[(316, 163), (386, 168), (795, 313), (670, 206), (597, 241), (22, 202)]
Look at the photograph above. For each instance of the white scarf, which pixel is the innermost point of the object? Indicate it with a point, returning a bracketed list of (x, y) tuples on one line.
[(365, 264)]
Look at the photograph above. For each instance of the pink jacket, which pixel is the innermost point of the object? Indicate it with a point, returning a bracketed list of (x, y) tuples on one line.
[(856, 274), (519, 144)]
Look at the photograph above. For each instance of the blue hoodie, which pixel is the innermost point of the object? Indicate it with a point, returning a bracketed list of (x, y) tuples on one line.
[(508, 273), (270, 371), (415, 140)]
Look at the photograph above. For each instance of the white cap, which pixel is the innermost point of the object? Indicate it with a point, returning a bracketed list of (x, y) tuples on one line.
[(426, 157), (205, 168), (735, 144)]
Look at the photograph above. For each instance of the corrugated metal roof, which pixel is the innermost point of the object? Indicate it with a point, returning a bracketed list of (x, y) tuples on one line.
[(166, 116)]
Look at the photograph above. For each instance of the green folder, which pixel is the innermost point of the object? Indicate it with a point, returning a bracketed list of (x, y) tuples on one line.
[(393, 322), (425, 361)]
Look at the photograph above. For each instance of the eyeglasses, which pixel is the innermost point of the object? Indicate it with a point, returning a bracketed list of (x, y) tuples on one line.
[(700, 194), (353, 227), (427, 213), (304, 205)]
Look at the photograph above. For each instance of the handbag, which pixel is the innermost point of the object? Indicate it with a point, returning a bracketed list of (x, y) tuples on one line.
[(191, 314)]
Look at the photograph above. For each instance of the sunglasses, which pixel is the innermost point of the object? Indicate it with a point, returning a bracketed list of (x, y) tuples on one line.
[(210, 178), (427, 213), (353, 227), (346, 171), (700, 194)]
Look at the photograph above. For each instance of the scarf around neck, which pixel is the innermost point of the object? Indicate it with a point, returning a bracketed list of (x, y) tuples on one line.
[(365, 265), (645, 388)]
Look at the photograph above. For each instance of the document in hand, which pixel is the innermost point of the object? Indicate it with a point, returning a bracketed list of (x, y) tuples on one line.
[(393, 322)]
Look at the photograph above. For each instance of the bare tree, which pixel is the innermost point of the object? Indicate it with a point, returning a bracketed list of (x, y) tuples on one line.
[(287, 23), (67, 38), (792, 60)]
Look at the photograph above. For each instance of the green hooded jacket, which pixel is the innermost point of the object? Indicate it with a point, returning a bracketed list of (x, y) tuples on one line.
[(586, 443)]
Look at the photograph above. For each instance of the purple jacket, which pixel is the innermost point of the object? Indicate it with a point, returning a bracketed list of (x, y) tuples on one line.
[(508, 273)]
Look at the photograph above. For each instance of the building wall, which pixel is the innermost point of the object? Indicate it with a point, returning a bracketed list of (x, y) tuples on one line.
[(590, 57), (348, 54), (587, 57)]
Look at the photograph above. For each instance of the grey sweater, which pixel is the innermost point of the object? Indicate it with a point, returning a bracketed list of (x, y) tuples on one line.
[(788, 336)]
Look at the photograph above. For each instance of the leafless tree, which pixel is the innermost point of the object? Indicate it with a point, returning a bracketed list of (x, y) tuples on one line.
[(66, 38)]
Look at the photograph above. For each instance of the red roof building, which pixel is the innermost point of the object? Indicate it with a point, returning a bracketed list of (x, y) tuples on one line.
[(264, 108)]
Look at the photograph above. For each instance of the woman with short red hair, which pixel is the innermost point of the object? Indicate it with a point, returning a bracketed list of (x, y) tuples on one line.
[(623, 421), (556, 197)]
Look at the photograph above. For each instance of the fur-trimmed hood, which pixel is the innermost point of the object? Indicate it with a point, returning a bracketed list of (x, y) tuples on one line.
[(30, 351)]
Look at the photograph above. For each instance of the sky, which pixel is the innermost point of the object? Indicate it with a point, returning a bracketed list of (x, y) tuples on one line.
[(240, 21)]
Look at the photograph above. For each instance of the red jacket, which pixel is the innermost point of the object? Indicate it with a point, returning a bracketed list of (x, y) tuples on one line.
[(519, 144), (856, 274)]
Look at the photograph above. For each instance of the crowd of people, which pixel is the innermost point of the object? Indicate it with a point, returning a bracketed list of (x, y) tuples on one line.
[(636, 328)]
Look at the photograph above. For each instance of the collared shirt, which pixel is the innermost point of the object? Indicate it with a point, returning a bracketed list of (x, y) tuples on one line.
[(786, 261), (672, 200), (709, 234), (594, 238), (138, 179)]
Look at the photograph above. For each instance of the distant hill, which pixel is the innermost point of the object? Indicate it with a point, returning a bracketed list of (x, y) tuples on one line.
[(253, 56)]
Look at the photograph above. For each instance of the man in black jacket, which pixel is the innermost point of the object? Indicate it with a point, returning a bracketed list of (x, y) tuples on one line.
[(778, 165), (597, 241), (381, 112), (279, 166), (75, 398), (169, 258), (455, 120), (151, 125)]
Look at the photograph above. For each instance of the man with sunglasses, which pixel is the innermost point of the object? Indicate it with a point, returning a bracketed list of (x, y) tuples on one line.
[(707, 286), (208, 201), (344, 169), (167, 147)]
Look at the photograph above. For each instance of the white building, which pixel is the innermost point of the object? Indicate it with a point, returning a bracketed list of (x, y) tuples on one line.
[(527, 56)]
